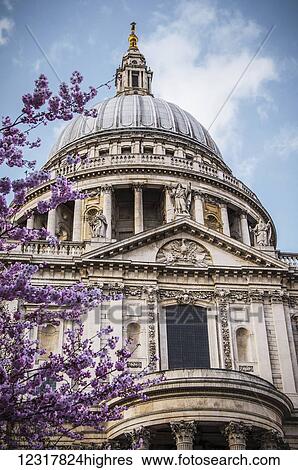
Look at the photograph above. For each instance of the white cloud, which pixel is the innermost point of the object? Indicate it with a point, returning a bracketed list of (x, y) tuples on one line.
[(285, 143), (198, 56), (6, 27), (8, 4)]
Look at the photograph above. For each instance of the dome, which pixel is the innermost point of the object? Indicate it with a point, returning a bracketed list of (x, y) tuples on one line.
[(137, 112)]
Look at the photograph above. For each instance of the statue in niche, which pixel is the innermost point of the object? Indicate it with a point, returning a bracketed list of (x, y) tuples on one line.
[(62, 233), (98, 224), (63, 230), (262, 232), (181, 198), (185, 252)]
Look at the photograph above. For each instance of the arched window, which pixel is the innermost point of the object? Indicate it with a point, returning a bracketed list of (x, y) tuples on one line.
[(243, 345), (133, 333)]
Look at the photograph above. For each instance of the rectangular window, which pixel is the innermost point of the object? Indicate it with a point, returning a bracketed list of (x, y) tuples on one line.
[(103, 152), (125, 150), (187, 337), (135, 79)]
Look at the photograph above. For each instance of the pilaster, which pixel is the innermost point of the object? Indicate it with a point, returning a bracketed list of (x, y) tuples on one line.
[(284, 352)]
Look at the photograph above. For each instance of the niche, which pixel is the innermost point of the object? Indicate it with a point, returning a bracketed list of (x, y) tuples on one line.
[(243, 342), (134, 333)]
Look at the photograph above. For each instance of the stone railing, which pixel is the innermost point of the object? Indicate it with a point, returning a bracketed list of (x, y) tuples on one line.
[(42, 248), (290, 258), (141, 160)]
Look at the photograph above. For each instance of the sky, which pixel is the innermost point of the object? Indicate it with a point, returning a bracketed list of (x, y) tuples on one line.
[(201, 51)]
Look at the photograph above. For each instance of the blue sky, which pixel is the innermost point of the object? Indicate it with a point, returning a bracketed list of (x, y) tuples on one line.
[(197, 49)]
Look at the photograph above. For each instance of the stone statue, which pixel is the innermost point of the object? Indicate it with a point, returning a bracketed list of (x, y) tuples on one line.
[(262, 232), (181, 199), (62, 234), (98, 225)]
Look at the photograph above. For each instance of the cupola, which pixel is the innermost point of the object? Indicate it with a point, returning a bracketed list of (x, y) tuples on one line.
[(133, 77)]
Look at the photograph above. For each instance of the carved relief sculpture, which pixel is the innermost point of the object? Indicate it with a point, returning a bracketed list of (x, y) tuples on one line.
[(184, 252)]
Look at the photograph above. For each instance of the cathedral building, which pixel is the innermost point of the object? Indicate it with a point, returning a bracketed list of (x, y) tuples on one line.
[(193, 250)]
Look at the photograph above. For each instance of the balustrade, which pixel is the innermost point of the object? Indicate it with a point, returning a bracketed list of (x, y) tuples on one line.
[(290, 258), (43, 248), (168, 161)]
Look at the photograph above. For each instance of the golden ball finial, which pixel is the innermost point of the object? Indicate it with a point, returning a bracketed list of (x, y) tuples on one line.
[(133, 38)]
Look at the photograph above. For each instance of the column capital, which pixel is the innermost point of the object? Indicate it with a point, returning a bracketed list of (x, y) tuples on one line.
[(139, 438), (138, 186), (243, 214), (106, 188), (236, 435), (184, 433), (223, 202), (197, 194), (272, 439)]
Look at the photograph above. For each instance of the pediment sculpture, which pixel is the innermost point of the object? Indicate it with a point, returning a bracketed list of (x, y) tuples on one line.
[(184, 252)]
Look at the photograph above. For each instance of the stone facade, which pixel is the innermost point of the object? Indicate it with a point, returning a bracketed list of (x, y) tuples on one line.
[(168, 225)]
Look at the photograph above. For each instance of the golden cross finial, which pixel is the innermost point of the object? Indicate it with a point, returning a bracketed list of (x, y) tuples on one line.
[(133, 38)]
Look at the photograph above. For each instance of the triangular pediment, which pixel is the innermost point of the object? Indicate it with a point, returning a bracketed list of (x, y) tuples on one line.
[(184, 243)]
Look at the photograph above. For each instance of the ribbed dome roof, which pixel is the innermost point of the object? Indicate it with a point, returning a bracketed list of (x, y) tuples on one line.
[(136, 112)]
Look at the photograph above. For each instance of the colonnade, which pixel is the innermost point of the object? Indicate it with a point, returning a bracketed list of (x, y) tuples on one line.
[(235, 434), (106, 191)]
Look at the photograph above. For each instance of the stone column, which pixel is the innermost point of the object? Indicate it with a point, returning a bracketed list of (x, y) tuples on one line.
[(30, 222), (236, 435), (244, 229), (225, 219), (272, 440), (169, 209), (77, 221), (139, 223), (51, 224), (139, 438), (107, 208), (198, 207), (184, 433)]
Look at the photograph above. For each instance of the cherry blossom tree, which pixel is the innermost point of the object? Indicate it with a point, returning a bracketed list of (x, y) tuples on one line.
[(48, 398)]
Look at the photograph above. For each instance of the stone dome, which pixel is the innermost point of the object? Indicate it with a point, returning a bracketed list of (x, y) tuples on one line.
[(137, 112)]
